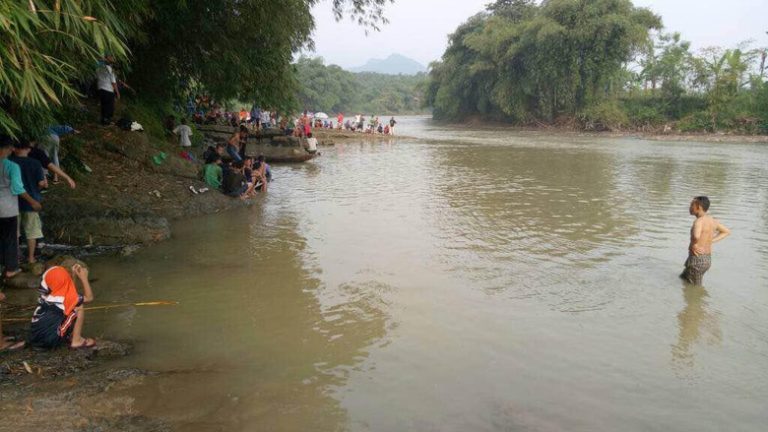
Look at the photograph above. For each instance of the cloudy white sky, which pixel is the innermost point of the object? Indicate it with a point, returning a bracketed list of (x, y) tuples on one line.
[(419, 28)]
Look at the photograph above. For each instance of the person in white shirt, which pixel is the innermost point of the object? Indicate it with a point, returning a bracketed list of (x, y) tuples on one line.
[(184, 132), (266, 119), (311, 144), (108, 89)]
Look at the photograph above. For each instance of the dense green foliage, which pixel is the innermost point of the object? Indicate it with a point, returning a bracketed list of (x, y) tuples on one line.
[(601, 64), (165, 49), (331, 89), (46, 48)]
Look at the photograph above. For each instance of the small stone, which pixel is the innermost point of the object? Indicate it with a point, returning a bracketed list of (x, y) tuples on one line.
[(23, 280), (129, 250), (36, 269)]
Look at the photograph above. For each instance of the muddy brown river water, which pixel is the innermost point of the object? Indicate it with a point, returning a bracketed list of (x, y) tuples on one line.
[(463, 280)]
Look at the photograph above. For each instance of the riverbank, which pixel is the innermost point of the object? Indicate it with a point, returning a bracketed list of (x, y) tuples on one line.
[(651, 134), (130, 187), (71, 390), (329, 137)]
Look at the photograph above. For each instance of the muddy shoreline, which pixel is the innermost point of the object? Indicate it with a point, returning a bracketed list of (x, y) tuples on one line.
[(651, 134)]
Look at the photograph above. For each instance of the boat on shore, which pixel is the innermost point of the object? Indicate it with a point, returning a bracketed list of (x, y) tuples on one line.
[(272, 143)]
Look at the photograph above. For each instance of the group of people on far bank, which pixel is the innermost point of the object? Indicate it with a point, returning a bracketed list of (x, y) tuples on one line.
[(372, 126)]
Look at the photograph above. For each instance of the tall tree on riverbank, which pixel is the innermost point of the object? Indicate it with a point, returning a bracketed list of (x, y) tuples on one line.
[(596, 64), (526, 62), (232, 48), (48, 47)]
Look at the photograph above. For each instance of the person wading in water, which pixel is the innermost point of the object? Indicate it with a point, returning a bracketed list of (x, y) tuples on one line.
[(706, 230)]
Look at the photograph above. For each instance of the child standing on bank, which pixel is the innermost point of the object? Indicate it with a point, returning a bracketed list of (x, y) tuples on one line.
[(34, 181)]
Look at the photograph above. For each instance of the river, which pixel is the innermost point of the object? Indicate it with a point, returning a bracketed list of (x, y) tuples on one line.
[(468, 279)]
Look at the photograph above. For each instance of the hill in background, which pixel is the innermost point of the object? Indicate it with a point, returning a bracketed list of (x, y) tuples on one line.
[(332, 89), (395, 64)]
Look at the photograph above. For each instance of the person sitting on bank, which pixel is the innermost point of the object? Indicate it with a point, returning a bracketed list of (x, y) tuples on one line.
[(34, 181), (259, 177), (235, 185), (212, 172), (248, 170), (59, 317), (218, 149)]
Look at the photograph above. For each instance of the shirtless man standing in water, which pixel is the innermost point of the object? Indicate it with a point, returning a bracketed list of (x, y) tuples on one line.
[(706, 230)]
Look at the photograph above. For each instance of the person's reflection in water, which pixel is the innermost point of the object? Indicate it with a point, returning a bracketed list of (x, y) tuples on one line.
[(695, 321)]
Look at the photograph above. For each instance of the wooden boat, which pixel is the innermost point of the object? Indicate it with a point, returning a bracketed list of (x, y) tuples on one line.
[(272, 143)]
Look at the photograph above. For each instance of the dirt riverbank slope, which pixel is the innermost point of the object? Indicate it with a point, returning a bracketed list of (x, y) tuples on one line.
[(130, 186)]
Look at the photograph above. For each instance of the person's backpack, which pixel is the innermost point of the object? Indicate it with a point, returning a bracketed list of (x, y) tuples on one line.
[(124, 123)]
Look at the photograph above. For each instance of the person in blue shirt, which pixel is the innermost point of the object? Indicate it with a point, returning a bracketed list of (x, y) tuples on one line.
[(33, 179), (11, 189), (51, 144)]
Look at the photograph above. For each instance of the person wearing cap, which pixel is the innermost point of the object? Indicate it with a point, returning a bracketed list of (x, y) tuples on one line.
[(11, 189), (39, 155), (34, 181), (59, 316)]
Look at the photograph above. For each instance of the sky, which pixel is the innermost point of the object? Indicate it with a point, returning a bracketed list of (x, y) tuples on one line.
[(419, 29)]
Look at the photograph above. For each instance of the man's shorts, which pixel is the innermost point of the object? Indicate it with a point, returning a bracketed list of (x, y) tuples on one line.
[(695, 267), (31, 225), (50, 327)]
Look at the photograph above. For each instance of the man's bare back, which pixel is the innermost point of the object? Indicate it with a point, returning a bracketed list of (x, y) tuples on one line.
[(705, 232), (702, 234)]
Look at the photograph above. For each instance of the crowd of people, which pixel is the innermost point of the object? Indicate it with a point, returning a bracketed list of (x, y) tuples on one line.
[(26, 168), (242, 178), (226, 166), (203, 111), (372, 126)]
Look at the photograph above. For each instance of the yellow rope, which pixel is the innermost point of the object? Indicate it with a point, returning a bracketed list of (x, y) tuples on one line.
[(92, 308)]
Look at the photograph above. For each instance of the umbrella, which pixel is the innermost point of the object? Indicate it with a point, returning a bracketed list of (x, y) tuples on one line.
[(321, 116)]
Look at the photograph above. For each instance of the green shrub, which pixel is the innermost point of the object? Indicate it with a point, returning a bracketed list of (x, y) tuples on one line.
[(605, 116), (149, 114), (697, 122), (72, 157)]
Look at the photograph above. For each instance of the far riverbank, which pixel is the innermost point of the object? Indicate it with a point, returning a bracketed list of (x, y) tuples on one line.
[(654, 134)]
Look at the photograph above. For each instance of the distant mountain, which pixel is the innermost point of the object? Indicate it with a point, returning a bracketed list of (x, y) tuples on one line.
[(395, 64)]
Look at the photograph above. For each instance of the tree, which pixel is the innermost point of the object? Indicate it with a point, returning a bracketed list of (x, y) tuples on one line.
[(232, 48), (526, 62), (47, 47), (332, 89)]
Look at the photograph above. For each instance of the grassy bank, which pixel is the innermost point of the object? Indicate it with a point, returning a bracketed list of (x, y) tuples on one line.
[(123, 195)]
